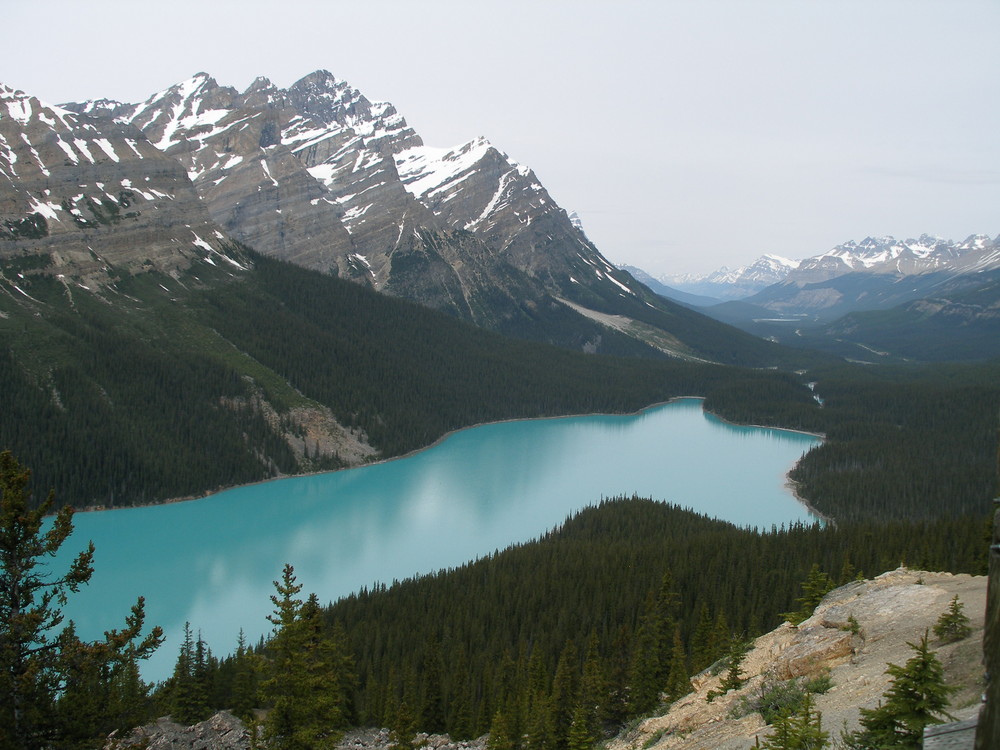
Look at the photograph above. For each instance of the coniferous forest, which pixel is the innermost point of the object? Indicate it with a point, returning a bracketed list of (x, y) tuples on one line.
[(602, 619)]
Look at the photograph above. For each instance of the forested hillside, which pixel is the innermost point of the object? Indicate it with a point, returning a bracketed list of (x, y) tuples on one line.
[(170, 386), (615, 586), (902, 442), (579, 631)]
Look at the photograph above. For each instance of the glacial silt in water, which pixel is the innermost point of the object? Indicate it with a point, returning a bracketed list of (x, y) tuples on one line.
[(211, 562)]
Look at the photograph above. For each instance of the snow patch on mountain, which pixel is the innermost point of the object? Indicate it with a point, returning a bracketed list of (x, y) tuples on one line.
[(426, 171)]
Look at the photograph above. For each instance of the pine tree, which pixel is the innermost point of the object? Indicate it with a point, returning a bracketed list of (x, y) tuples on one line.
[(29, 611), (703, 641), (738, 649), (500, 734), (848, 572), (128, 702), (580, 736), (401, 734), (678, 681), (593, 687), (664, 621), (39, 662), (643, 688), (326, 700), (432, 717), (952, 625), (917, 697), (817, 585), (188, 699), (81, 704), (539, 734), (308, 706), (128, 695), (343, 666), (798, 730), (285, 667), (565, 692), (203, 671), (461, 725), (244, 690), (652, 650), (722, 636)]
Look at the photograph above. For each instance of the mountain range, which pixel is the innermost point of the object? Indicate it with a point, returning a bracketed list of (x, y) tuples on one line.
[(733, 283), (924, 298), (318, 175)]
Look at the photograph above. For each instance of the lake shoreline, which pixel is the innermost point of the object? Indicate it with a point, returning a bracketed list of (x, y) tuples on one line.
[(790, 484), (209, 493)]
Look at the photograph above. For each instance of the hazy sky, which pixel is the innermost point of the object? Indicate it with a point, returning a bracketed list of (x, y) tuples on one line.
[(688, 134)]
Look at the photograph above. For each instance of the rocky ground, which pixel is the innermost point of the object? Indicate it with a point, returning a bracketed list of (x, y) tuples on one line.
[(226, 732), (891, 610)]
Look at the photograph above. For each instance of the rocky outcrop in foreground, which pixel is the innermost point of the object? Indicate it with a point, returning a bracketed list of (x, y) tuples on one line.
[(226, 732), (221, 732), (890, 610)]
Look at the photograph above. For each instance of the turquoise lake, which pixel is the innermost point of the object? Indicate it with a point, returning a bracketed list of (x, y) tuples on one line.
[(211, 562)]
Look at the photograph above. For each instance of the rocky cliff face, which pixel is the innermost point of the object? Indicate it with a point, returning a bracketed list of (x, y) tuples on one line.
[(890, 610), (92, 199), (319, 175)]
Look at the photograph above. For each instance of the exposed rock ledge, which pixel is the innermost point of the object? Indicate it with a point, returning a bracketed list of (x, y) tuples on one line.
[(220, 732), (223, 731), (892, 609)]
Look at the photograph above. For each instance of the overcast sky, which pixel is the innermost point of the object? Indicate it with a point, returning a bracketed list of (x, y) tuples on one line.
[(687, 134)]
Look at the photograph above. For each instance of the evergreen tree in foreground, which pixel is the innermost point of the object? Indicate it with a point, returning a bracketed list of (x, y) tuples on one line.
[(188, 698), (952, 625), (56, 689), (916, 698), (739, 647), (305, 685), (798, 730), (817, 585)]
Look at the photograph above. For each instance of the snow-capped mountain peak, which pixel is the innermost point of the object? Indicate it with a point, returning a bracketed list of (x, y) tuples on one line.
[(23, 108), (888, 255), (734, 283), (767, 269)]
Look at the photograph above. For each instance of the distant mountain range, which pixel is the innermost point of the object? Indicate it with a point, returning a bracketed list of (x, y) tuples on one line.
[(878, 299), (727, 283)]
